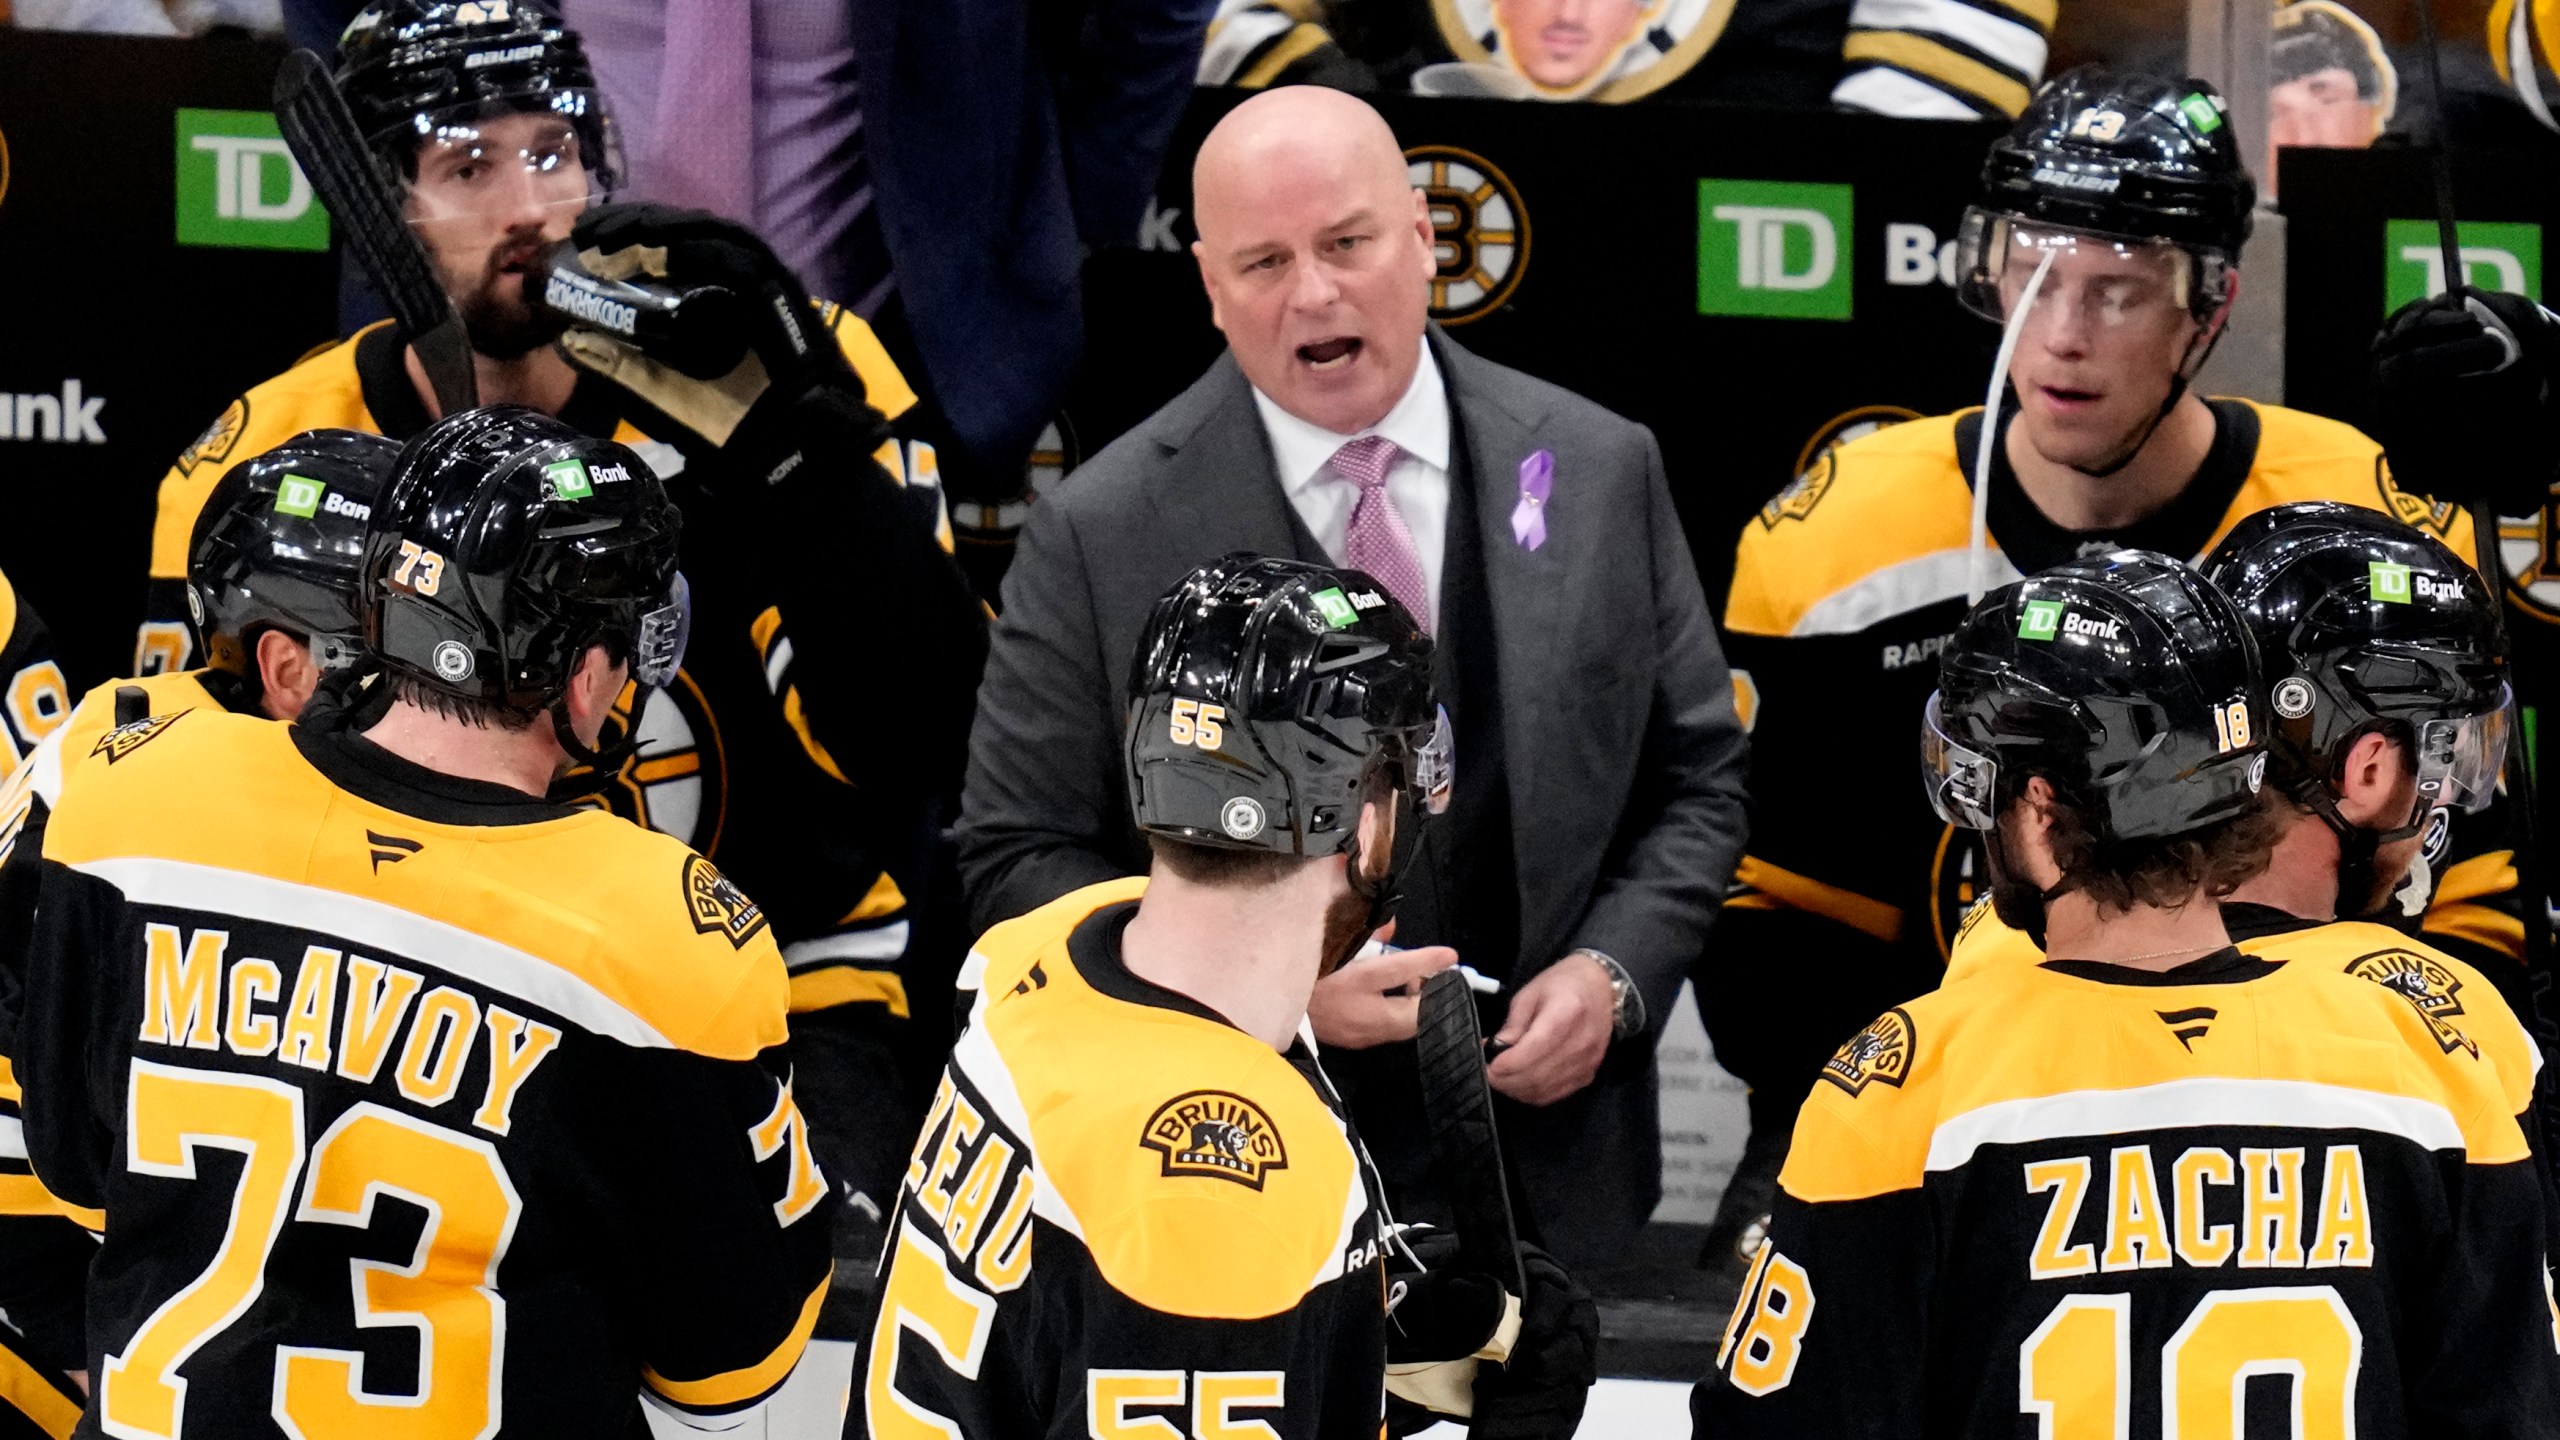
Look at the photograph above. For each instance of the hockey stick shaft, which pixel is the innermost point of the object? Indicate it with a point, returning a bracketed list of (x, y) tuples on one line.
[(325, 142)]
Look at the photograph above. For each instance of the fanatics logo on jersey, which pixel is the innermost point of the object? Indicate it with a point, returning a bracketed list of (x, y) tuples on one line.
[(1212, 1132), (125, 739), (391, 849), (718, 906), (2428, 987), (1881, 1053)]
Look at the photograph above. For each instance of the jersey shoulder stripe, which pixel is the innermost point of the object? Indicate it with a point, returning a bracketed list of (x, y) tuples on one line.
[(2301, 1044), (1200, 1169), (617, 928), (1876, 527), (321, 391)]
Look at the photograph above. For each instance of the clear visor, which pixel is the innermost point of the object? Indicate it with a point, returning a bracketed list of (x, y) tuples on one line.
[(517, 166), (1960, 779), (2104, 281), (659, 652), (2459, 760), (1435, 765)]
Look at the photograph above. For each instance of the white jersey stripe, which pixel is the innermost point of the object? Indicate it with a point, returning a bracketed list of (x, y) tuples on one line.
[(364, 923), (2188, 1104), (2005, 42), (1897, 589)]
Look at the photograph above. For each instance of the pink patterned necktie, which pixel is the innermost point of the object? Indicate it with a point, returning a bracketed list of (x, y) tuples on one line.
[(705, 139), (1377, 540)]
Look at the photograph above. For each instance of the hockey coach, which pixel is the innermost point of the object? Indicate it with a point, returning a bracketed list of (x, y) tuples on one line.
[(1597, 811)]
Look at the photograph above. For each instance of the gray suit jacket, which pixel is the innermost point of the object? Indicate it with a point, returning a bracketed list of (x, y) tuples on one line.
[(1624, 758)]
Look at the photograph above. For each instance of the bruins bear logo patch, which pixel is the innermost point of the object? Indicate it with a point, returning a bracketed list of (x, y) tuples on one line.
[(1802, 493), (718, 906), (2416, 511), (125, 739), (2427, 985), (1879, 1054), (215, 444), (1213, 1132)]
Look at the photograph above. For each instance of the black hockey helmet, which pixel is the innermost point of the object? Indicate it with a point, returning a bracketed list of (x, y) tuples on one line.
[(1263, 695), (507, 543), (2365, 624), (276, 547), (414, 71), (2124, 679), (2118, 159)]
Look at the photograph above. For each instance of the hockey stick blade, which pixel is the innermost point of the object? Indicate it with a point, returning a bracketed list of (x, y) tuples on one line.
[(323, 136), (1458, 1108)]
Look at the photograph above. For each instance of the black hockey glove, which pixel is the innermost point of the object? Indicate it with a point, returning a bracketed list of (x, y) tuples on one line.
[(787, 352), (1459, 1347), (2462, 398)]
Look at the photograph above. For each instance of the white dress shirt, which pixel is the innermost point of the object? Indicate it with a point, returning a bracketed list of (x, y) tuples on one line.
[(1419, 483)]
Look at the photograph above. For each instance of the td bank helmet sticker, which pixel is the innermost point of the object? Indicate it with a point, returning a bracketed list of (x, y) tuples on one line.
[(1605, 50)]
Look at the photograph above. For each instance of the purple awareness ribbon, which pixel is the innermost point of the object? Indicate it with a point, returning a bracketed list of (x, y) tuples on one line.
[(1529, 517)]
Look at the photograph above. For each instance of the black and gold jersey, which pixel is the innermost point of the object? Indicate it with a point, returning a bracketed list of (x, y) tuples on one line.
[(37, 1401), (414, 1102), (1845, 588), (34, 697), (732, 762), (2246, 1196), (1124, 1217)]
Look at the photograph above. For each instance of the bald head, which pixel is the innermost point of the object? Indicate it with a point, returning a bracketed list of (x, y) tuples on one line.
[(1316, 251)]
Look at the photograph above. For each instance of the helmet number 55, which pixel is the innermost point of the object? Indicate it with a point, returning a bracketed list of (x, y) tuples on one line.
[(1197, 723)]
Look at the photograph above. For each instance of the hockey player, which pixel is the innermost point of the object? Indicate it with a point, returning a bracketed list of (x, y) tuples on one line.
[(273, 578), (337, 1026), (1137, 1205), (819, 586), (37, 697), (2133, 191), (2107, 1193)]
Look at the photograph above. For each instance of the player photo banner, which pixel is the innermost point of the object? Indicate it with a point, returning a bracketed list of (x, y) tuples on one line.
[(160, 252)]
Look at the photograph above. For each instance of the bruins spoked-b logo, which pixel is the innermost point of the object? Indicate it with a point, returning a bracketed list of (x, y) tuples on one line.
[(2428, 987), (125, 739), (717, 905), (1879, 1054), (1479, 231), (1213, 1132)]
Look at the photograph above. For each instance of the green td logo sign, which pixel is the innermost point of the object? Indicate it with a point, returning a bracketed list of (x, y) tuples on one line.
[(1774, 248), (2494, 257), (238, 185), (568, 480), (299, 495), (2042, 620), (2388, 582), (1336, 608)]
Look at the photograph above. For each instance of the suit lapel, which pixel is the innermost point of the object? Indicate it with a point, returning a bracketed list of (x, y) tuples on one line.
[(1218, 490), (1526, 594)]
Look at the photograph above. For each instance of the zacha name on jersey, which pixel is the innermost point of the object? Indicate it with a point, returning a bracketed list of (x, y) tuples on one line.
[(2147, 1224)]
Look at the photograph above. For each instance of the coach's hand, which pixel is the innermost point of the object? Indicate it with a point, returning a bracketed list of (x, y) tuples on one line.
[(1557, 1030), (1375, 1000), (786, 349)]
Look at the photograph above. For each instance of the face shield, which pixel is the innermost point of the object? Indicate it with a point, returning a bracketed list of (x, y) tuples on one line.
[(2459, 760), (2105, 281), (658, 652), (1961, 780), (1435, 766), (514, 163)]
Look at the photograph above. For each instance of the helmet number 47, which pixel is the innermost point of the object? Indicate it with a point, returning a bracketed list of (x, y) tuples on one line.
[(1196, 723)]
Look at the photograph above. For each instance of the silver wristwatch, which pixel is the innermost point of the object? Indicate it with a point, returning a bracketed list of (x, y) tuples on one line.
[(1626, 1003)]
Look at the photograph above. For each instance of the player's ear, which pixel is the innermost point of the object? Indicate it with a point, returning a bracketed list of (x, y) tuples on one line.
[(286, 674), (2026, 830), (593, 689), (2370, 777)]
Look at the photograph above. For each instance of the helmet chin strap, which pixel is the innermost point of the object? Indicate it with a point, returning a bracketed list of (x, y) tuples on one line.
[(601, 763), (2124, 457), (2359, 847)]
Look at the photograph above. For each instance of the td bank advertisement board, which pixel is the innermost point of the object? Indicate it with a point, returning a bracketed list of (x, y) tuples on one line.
[(159, 253)]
